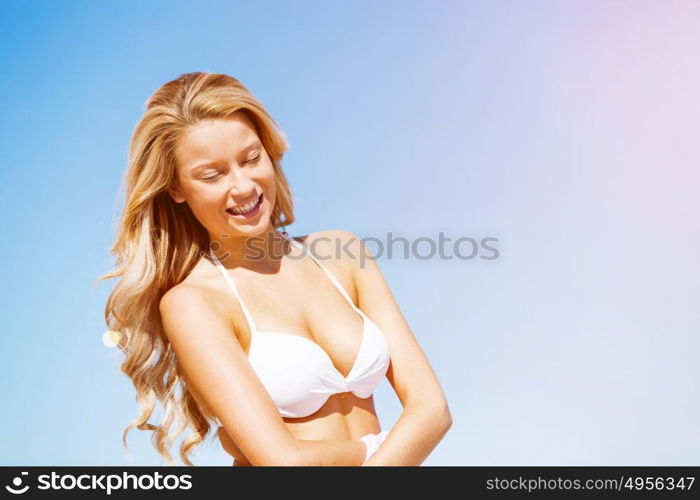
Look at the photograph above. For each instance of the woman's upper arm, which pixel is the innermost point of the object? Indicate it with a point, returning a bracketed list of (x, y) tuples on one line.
[(409, 372), (216, 366)]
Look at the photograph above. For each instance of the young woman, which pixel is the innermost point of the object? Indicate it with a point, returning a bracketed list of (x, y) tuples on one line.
[(225, 319)]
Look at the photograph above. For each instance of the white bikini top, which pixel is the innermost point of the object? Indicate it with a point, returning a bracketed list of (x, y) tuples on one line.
[(297, 373)]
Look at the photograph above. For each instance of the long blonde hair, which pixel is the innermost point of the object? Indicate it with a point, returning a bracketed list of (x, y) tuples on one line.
[(158, 243)]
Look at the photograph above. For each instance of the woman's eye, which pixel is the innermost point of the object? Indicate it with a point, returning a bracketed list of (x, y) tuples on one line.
[(214, 176), (255, 159)]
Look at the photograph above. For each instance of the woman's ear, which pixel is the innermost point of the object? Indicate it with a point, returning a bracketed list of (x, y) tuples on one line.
[(176, 195)]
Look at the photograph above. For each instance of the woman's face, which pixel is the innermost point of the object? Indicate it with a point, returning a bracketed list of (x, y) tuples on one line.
[(223, 170)]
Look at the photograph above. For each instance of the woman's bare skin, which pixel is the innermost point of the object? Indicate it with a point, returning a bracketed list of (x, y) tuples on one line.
[(298, 297)]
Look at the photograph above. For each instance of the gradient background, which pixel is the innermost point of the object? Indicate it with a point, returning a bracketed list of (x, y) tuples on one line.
[(567, 130)]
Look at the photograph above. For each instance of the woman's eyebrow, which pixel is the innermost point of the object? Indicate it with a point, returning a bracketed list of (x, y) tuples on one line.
[(252, 145)]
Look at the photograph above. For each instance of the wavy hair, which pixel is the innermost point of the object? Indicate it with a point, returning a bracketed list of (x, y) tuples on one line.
[(158, 243)]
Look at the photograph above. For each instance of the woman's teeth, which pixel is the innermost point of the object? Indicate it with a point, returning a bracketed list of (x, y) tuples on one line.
[(245, 208)]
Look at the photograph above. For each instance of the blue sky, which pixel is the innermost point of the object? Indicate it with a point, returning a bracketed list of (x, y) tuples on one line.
[(568, 131)]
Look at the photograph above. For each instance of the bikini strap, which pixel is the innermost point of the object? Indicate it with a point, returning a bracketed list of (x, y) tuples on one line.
[(335, 282), (229, 279)]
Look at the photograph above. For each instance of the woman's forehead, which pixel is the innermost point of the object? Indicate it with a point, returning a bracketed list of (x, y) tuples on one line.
[(215, 141)]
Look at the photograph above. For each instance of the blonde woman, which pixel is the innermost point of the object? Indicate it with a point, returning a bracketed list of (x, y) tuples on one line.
[(278, 341)]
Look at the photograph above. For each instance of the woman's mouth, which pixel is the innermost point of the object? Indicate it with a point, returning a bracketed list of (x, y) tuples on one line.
[(247, 211)]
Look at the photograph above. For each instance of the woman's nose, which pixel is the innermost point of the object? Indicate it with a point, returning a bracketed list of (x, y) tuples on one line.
[(240, 183)]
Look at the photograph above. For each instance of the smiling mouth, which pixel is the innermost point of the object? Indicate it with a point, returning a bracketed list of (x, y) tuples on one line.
[(247, 208)]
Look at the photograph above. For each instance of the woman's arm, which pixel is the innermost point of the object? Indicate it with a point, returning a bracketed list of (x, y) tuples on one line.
[(426, 416), (214, 362), (241, 461), (411, 440)]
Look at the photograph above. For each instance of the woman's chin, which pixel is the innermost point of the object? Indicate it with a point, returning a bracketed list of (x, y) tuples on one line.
[(253, 228)]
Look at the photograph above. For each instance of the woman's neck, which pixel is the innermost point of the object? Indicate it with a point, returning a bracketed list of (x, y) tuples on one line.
[(261, 252)]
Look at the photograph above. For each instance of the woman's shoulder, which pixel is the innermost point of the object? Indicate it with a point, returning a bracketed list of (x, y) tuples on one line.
[(342, 248), (329, 238), (186, 291), (199, 284)]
